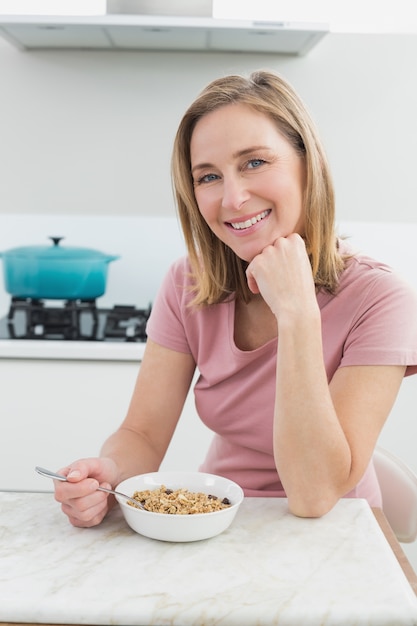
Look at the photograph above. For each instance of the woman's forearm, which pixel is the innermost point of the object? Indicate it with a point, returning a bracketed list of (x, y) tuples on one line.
[(311, 451), (131, 452)]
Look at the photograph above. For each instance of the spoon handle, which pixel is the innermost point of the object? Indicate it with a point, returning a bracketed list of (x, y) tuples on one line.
[(44, 472), (49, 474)]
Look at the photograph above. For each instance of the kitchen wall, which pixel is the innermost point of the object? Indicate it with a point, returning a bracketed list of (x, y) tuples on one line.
[(91, 132)]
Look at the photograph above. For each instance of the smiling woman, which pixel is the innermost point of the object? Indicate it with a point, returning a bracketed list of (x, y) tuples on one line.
[(272, 159), (300, 343), (248, 179)]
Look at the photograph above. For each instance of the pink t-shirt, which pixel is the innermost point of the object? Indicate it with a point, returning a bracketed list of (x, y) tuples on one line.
[(371, 321)]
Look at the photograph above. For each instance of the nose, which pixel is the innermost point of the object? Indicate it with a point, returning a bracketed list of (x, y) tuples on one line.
[(235, 193)]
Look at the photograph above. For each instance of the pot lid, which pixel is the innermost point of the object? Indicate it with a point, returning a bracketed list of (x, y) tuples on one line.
[(58, 252)]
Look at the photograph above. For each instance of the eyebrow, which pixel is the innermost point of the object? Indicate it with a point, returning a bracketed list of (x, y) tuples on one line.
[(235, 155)]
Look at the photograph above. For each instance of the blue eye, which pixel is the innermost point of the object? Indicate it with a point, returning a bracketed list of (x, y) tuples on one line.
[(207, 178), (254, 163)]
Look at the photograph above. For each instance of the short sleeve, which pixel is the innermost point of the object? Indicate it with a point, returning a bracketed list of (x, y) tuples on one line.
[(165, 325), (384, 328)]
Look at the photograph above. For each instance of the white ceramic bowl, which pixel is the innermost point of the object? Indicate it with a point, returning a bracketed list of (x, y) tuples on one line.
[(167, 527)]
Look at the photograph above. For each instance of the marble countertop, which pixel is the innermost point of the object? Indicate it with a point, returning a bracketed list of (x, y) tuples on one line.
[(268, 568)]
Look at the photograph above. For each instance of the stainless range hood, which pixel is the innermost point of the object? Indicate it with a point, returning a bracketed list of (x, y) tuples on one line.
[(140, 31)]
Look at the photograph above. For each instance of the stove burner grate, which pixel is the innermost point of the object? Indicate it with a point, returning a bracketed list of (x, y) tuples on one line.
[(52, 322), (77, 320), (126, 322)]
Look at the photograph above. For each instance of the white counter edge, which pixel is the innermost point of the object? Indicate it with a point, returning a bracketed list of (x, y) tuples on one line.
[(71, 350)]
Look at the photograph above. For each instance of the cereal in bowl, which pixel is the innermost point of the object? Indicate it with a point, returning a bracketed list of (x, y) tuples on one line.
[(179, 501)]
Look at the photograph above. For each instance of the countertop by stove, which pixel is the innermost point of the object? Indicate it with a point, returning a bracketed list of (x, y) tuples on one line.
[(71, 350), (268, 568)]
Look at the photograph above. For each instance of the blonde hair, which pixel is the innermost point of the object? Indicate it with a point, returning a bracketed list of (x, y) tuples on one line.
[(217, 271)]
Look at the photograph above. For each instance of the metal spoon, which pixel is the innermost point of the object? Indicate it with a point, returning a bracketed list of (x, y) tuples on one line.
[(49, 474)]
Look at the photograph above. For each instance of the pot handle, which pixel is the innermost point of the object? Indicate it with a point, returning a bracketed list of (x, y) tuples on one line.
[(56, 240)]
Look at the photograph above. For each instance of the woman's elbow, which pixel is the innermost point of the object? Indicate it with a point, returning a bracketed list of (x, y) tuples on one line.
[(316, 507)]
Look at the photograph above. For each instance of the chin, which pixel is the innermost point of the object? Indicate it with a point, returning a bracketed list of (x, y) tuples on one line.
[(247, 256)]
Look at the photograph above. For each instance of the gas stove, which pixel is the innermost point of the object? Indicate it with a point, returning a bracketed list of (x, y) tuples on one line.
[(73, 320)]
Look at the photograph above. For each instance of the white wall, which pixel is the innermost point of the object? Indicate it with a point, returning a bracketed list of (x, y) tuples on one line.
[(91, 132)]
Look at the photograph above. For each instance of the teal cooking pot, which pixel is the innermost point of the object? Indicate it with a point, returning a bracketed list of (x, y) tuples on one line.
[(55, 272)]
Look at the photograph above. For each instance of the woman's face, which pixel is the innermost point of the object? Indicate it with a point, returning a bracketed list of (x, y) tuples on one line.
[(248, 179)]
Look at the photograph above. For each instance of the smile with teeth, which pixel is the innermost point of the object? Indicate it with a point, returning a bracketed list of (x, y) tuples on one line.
[(251, 222)]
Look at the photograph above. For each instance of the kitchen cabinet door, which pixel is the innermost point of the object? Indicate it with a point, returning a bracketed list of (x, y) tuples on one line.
[(53, 412)]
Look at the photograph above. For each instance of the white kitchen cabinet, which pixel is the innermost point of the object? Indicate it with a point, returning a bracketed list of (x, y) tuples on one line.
[(53, 412)]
